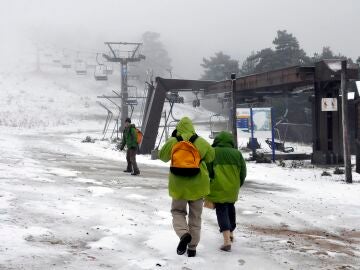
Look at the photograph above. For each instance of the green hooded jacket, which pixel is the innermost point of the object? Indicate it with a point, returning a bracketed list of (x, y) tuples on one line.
[(129, 137), (189, 188), (227, 171)]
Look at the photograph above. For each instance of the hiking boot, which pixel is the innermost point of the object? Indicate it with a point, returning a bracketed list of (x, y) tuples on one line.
[(226, 248), (191, 252), (227, 241), (135, 173), (184, 241), (129, 171)]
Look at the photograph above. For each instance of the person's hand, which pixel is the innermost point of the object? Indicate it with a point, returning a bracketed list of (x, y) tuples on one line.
[(209, 204)]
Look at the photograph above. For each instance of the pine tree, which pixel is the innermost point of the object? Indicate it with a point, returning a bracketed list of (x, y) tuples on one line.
[(219, 67), (288, 51), (249, 65), (157, 59)]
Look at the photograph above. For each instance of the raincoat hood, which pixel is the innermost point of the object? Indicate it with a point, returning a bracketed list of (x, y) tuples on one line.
[(224, 139), (185, 127)]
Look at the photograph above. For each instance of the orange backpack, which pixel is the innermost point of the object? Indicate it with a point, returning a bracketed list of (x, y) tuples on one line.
[(139, 136), (185, 158)]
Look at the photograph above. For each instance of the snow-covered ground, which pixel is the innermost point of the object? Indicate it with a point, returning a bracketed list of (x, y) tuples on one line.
[(65, 204)]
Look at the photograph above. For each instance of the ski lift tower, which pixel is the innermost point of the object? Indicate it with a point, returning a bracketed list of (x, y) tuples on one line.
[(124, 53)]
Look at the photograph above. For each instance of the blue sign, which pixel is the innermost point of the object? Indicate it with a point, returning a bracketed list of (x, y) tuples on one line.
[(242, 123)]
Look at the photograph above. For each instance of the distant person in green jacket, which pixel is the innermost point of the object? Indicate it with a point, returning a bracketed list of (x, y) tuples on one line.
[(187, 190), (129, 139), (227, 173)]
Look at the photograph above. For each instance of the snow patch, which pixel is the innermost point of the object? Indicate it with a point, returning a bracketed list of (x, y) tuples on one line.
[(63, 172), (148, 263), (43, 179), (247, 212), (135, 197), (87, 181), (5, 199), (99, 191), (166, 247), (163, 214), (119, 230), (107, 242), (18, 246)]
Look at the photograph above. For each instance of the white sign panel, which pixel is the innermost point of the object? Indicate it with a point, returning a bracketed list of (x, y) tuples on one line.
[(261, 118), (329, 104), (358, 87), (351, 95)]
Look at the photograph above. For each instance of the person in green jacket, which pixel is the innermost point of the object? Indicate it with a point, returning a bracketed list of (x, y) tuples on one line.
[(129, 139), (227, 173), (188, 190)]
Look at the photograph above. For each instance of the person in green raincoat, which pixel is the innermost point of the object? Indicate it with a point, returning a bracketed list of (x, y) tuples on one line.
[(188, 190), (227, 173), (129, 139)]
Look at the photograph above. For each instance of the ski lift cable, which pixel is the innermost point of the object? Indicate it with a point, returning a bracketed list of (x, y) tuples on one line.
[(166, 121), (86, 51), (283, 117), (143, 104), (173, 117), (97, 60)]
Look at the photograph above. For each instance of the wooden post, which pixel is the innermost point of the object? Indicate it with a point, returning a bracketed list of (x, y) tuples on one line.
[(344, 109), (234, 127)]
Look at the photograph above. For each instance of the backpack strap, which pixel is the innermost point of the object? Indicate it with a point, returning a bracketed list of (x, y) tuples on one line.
[(193, 138), (179, 138)]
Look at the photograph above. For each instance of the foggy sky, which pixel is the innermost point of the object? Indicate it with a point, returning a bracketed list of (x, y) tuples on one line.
[(190, 29)]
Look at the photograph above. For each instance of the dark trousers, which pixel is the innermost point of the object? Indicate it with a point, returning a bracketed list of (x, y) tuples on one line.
[(226, 216), (131, 160)]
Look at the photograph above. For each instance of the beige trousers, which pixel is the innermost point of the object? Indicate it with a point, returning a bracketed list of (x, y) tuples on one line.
[(193, 225)]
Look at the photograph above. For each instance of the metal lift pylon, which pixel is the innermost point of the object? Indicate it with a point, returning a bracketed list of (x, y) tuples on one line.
[(108, 118)]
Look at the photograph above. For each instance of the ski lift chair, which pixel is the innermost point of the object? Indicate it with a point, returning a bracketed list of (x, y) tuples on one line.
[(109, 69), (66, 65), (196, 101), (80, 68), (279, 144), (214, 132), (174, 97), (100, 73)]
